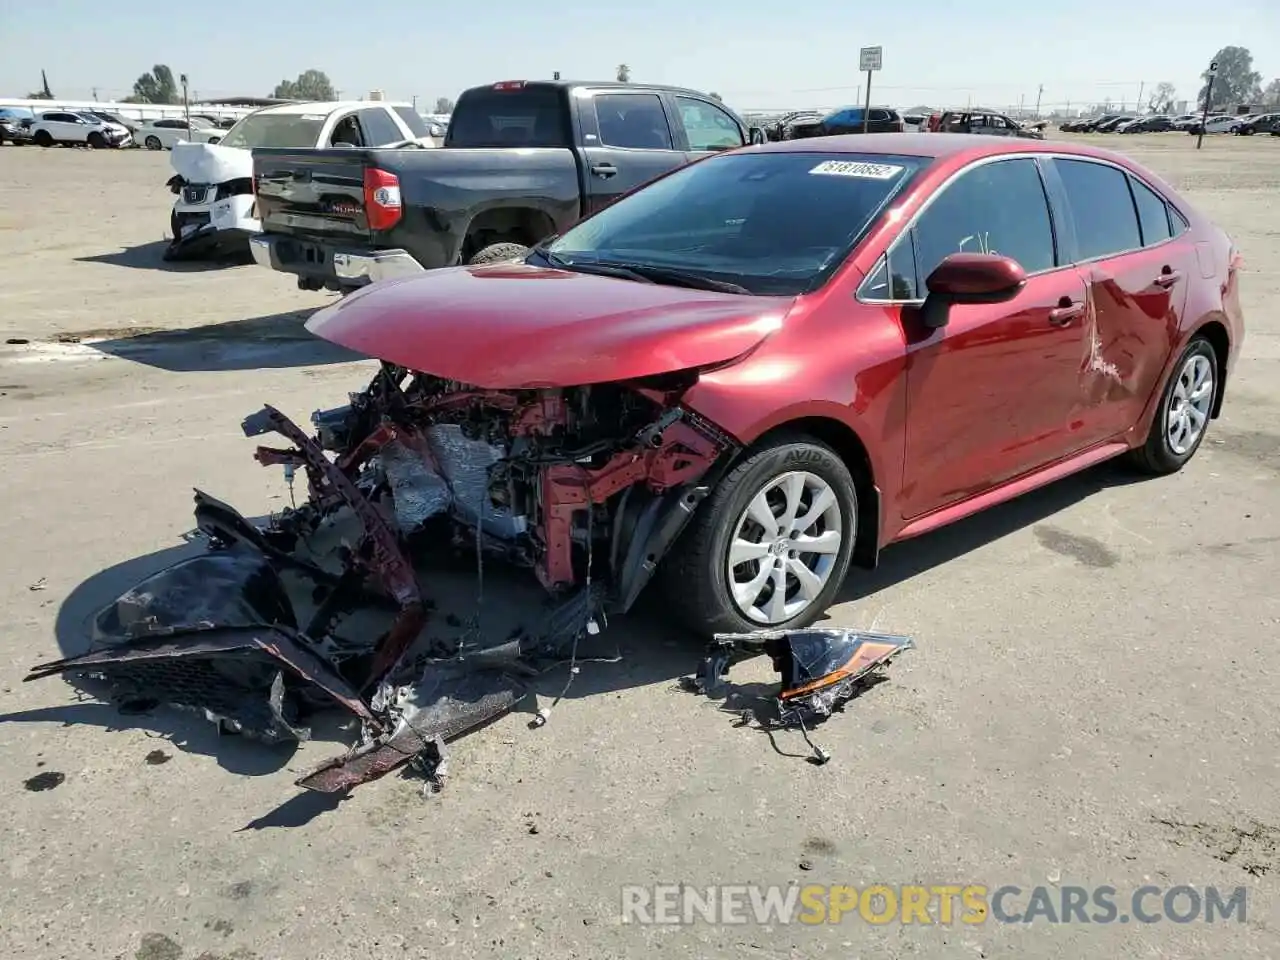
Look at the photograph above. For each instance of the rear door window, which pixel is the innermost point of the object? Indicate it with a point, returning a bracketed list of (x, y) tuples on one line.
[(379, 128), (633, 120), (1153, 216), (1102, 208), (996, 208)]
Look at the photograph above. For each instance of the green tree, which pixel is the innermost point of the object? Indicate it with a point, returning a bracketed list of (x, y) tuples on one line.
[(1236, 82), (1161, 99), (444, 105), (155, 87), (1271, 95), (624, 73), (310, 85)]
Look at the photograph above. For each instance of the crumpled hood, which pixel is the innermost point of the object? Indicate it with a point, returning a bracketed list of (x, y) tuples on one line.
[(510, 326), (210, 163)]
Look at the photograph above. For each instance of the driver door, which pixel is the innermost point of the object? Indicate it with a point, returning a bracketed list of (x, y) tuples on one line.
[(989, 395)]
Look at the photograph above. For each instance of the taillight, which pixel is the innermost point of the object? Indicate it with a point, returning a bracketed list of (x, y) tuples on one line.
[(509, 85), (382, 206)]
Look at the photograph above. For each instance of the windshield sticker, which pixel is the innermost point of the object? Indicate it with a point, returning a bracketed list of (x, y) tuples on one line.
[(854, 168)]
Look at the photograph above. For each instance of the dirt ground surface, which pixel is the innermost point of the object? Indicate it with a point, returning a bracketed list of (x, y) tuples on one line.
[(1094, 700)]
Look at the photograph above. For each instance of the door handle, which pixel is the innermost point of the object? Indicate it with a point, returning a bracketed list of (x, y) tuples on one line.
[(1168, 278), (1065, 312), (604, 170)]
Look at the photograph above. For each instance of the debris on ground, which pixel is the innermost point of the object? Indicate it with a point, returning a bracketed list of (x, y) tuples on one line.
[(38, 585), (821, 669)]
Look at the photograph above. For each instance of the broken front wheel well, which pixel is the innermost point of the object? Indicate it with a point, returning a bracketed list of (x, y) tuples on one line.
[(849, 446)]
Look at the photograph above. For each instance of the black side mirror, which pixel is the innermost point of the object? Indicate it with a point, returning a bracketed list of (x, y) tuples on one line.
[(756, 136), (970, 278)]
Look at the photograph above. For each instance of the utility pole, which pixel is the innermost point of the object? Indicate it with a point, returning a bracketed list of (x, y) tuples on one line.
[(1138, 105), (95, 94), (1208, 98), (1022, 106), (1039, 94), (186, 105)]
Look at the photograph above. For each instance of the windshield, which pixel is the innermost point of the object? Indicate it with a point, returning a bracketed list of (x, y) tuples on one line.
[(279, 130), (773, 223)]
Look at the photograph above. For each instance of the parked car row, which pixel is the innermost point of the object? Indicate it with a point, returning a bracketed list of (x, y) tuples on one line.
[(1195, 124), (101, 129)]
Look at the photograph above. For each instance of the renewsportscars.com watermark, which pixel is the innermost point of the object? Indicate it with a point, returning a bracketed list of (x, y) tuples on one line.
[(928, 904)]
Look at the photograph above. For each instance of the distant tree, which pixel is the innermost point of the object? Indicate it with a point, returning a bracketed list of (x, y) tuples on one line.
[(155, 87), (310, 85), (624, 73), (716, 96), (1271, 95), (1236, 82), (1161, 99), (444, 105)]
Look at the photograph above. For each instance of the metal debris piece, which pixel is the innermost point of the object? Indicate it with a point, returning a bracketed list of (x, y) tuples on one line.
[(38, 585)]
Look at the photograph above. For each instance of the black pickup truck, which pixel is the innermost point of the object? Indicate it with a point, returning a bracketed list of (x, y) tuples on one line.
[(520, 161)]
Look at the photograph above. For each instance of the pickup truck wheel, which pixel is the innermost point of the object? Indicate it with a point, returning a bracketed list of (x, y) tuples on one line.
[(770, 547), (43, 138), (500, 253)]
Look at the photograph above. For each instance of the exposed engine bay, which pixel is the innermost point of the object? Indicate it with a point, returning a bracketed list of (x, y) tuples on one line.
[(328, 603)]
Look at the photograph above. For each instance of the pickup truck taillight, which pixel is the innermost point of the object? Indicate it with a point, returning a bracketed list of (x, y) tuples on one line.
[(382, 206)]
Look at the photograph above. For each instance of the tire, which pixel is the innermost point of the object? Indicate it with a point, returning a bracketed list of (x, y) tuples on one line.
[(697, 575), (152, 143), (97, 141), (43, 138), (1159, 455), (499, 253)]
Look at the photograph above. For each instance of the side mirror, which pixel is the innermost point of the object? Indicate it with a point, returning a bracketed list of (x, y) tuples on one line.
[(755, 136), (970, 278)]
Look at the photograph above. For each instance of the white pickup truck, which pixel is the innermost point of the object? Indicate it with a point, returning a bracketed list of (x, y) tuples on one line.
[(214, 210)]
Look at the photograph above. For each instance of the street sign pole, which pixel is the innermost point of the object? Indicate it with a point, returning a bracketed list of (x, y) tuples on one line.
[(1208, 97), (870, 59)]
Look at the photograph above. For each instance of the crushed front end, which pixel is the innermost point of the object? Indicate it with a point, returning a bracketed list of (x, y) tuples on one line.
[(332, 603)]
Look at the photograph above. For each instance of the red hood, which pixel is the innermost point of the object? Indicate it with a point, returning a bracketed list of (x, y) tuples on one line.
[(518, 326)]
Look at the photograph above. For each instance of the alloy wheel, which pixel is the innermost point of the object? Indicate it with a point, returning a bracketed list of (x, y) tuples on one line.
[(1189, 404), (784, 547)]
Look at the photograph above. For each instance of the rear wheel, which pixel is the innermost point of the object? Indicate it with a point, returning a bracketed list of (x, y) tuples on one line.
[(1183, 415), (771, 545), (43, 138), (152, 143), (499, 253)]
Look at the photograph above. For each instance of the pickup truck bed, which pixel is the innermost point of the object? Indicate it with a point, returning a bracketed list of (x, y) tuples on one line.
[(520, 162)]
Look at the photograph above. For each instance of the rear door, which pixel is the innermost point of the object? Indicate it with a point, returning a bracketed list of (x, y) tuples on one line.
[(627, 140), (1135, 259)]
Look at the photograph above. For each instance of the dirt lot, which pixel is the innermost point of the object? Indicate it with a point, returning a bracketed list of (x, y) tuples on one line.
[(1093, 700)]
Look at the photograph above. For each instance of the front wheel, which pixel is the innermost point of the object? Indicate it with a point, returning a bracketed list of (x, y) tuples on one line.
[(1185, 408), (43, 138), (771, 545), (499, 253)]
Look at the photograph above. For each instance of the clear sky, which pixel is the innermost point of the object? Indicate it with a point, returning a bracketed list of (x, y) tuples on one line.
[(755, 53)]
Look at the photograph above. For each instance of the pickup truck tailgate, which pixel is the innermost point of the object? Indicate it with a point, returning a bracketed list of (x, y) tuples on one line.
[(316, 193)]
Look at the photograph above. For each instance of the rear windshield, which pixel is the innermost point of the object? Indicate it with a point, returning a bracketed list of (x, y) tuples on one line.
[(278, 130), (774, 223), (524, 117)]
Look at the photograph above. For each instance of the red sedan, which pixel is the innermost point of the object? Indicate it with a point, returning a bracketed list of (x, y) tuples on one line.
[(761, 368)]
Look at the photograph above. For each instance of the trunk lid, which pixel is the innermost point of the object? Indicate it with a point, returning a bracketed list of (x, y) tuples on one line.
[(316, 193), (515, 326)]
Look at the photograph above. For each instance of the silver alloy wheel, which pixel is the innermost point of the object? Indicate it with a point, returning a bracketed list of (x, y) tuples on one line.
[(1190, 404), (784, 547)]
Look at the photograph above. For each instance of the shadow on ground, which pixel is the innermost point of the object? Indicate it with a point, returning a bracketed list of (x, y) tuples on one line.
[(641, 649), (271, 342), (150, 256)]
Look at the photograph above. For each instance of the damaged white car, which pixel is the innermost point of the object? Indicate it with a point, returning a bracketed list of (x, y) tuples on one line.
[(214, 215)]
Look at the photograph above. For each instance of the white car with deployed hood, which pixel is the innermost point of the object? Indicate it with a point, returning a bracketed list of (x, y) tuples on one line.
[(214, 210)]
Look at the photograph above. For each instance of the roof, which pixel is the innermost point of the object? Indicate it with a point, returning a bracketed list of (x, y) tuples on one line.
[(326, 106), (602, 85), (934, 146)]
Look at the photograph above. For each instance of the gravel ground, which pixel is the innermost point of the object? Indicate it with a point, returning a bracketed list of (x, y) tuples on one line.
[(1093, 700)]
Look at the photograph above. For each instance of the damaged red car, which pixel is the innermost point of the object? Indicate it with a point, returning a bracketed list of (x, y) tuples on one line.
[(741, 379)]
